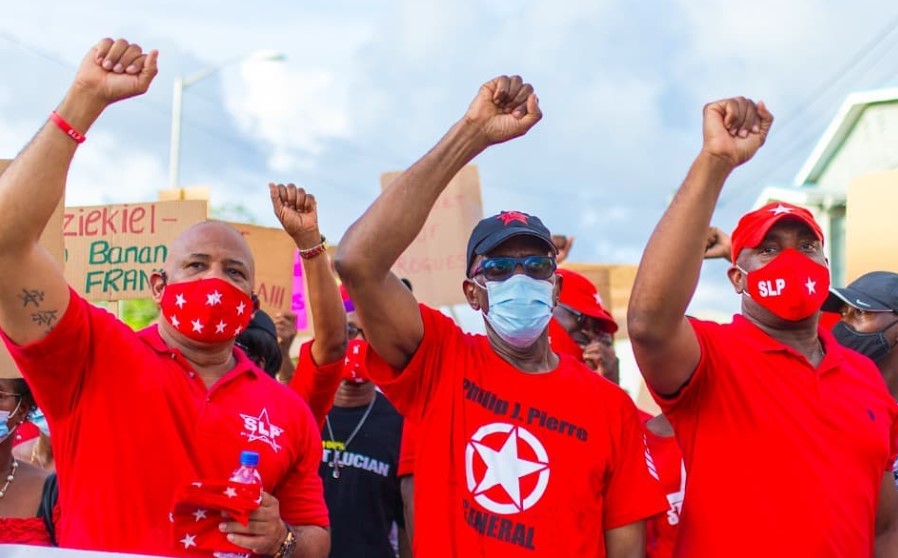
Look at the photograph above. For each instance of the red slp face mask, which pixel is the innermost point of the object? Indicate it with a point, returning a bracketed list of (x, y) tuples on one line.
[(562, 342), (207, 310), (354, 364), (792, 286)]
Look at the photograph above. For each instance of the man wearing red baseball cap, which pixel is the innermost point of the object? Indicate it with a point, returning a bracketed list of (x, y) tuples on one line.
[(582, 327), (787, 437)]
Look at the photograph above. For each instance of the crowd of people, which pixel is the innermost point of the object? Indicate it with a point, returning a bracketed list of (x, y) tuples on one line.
[(396, 433)]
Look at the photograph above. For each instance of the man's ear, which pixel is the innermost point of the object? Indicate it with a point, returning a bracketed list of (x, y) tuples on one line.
[(737, 279), (556, 293), (158, 279), (472, 292)]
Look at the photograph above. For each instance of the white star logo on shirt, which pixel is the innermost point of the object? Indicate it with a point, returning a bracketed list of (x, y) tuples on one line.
[(505, 468), (213, 299), (240, 308), (180, 301), (230, 492), (260, 428), (811, 286), (197, 326), (175, 322), (188, 541), (197, 484), (780, 209), (199, 514), (220, 327)]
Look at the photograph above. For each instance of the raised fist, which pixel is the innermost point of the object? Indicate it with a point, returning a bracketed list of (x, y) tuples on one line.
[(115, 70), (734, 129), (504, 108), (718, 244), (296, 210)]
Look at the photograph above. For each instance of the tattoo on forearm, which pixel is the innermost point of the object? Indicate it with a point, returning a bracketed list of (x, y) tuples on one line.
[(45, 317), (31, 297)]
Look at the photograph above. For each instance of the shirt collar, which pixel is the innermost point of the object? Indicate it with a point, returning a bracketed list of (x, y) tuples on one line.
[(756, 337), (150, 336)]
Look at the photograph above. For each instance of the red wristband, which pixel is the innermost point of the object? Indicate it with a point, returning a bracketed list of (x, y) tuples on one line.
[(67, 128)]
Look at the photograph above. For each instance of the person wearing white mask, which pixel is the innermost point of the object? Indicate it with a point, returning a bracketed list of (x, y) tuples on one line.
[(521, 451)]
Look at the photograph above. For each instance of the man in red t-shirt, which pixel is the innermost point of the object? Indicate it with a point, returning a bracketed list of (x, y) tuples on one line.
[(520, 451), (176, 401), (582, 328), (787, 437)]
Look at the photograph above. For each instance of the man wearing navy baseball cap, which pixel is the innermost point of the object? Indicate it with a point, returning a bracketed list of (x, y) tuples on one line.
[(510, 433), (869, 308)]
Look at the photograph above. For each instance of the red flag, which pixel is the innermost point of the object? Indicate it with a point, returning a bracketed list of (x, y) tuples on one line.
[(200, 507)]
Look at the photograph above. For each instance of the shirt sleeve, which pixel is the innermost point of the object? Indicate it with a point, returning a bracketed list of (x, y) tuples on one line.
[(691, 391), (633, 491), (316, 384), (57, 367), (301, 494), (411, 389)]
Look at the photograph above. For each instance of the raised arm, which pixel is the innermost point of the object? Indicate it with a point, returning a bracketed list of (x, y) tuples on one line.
[(504, 108), (34, 294), (664, 343), (298, 213)]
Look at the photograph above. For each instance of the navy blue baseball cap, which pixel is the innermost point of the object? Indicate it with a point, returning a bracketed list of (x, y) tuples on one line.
[(493, 231), (876, 291)]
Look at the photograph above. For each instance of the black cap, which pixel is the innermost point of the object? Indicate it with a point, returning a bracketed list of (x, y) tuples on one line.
[(495, 230), (263, 321), (876, 291)]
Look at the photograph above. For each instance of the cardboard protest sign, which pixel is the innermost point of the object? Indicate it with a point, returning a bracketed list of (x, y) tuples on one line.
[(111, 250), (435, 261), (273, 250), (870, 225), (298, 301)]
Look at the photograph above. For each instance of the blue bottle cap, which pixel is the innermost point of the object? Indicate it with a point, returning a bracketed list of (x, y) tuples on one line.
[(249, 458)]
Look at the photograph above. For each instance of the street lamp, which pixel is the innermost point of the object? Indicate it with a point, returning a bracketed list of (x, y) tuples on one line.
[(182, 83)]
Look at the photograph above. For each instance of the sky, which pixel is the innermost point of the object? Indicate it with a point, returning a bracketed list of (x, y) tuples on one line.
[(368, 87)]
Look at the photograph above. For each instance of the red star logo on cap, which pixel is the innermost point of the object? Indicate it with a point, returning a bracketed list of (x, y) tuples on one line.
[(508, 216)]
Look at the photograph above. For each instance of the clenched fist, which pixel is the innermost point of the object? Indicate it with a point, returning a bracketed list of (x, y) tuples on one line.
[(504, 108)]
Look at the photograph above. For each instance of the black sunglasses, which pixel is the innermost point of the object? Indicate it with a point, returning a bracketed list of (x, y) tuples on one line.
[(589, 323), (501, 268)]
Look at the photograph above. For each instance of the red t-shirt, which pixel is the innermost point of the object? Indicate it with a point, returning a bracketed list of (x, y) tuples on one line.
[(661, 530), (516, 464), (316, 384), (780, 457), (131, 421)]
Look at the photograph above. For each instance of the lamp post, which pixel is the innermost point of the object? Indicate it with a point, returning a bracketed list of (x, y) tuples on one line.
[(182, 83)]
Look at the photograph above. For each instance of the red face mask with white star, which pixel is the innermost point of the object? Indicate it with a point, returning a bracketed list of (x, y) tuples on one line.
[(792, 285), (207, 310)]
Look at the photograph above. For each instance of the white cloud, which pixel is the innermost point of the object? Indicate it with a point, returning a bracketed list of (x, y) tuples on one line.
[(294, 112)]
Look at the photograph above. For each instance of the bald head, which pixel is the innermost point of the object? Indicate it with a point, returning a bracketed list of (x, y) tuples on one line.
[(211, 248)]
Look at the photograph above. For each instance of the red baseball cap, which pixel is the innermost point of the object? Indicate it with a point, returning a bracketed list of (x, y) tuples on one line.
[(579, 293), (753, 226)]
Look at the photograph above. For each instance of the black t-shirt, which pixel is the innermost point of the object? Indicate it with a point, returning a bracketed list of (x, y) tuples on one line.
[(365, 501)]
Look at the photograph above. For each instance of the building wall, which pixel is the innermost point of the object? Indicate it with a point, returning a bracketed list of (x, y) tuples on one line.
[(870, 147)]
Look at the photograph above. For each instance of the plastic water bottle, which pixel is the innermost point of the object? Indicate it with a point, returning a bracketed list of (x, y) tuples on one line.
[(246, 473)]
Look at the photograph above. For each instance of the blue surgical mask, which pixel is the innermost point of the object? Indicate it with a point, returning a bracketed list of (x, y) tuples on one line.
[(4, 418), (40, 421), (520, 308)]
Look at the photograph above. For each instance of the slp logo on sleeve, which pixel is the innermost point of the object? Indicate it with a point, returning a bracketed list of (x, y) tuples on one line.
[(507, 468), (261, 429)]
